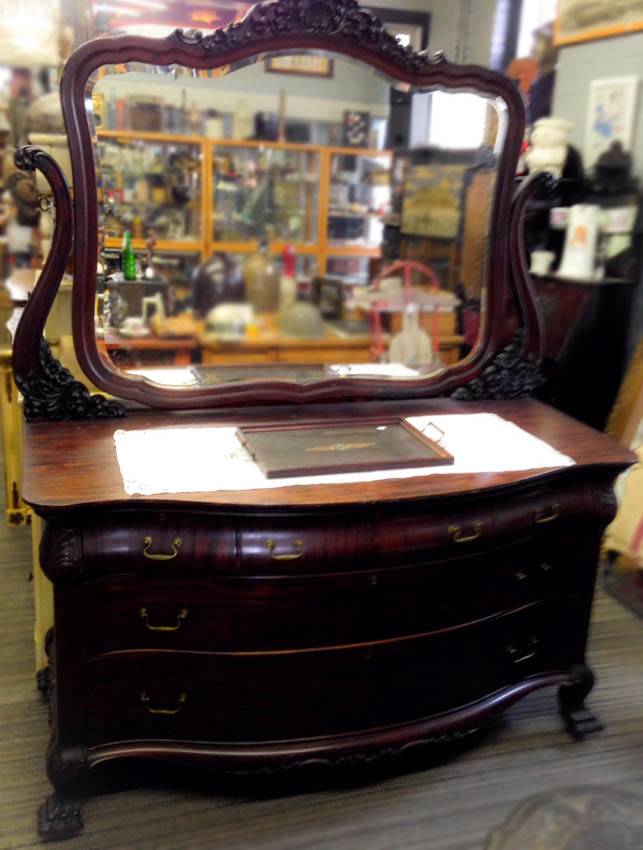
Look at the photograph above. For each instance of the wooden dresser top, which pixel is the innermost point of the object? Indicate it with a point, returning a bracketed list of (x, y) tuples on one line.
[(73, 464)]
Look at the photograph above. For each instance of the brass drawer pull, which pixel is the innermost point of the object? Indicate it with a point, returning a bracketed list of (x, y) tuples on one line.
[(182, 698), (541, 516), (183, 613), (512, 651), (458, 535), (297, 545), (147, 545)]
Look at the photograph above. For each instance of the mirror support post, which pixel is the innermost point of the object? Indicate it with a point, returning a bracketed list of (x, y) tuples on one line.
[(49, 389)]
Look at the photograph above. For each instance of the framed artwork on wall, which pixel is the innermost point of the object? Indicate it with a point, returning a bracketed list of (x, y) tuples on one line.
[(610, 115), (579, 20), (300, 65)]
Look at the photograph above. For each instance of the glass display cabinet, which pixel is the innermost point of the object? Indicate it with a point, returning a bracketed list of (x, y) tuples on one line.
[(360, 197), (150, 186), (262, 189)]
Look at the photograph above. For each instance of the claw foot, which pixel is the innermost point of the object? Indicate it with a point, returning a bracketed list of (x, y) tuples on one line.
[(581, 723), (59, 818)]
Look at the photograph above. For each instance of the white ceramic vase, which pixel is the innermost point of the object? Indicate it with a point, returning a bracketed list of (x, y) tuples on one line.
[(548, 151)]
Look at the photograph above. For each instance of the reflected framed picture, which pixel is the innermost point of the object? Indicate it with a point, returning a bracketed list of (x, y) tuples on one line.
[(302, 65), (327, 448), (610, 115), (580, 20)]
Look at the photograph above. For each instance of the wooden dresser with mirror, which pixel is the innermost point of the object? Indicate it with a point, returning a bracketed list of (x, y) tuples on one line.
[(288, 268)]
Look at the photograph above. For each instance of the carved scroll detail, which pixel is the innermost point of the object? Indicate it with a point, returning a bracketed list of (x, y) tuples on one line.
[(61, 553), (342, 19), (49, 390)]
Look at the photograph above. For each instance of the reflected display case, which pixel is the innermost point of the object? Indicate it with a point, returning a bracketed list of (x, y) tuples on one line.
[(150, 185), (260, 190)]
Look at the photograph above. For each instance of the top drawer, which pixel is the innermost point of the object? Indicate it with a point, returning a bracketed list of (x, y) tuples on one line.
[(160, 541), (298, 543), (546, 508)]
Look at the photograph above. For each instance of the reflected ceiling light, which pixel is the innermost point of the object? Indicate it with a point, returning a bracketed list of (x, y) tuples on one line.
[(146, 4), (117, 10), (22, 42)]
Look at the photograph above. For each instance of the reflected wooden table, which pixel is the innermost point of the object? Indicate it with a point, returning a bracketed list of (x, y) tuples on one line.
[(267, 345)]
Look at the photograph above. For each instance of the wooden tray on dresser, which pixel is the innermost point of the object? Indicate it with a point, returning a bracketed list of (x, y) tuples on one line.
[(352, 445)]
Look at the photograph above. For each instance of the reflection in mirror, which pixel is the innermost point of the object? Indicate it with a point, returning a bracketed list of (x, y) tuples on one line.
[(295, 218)]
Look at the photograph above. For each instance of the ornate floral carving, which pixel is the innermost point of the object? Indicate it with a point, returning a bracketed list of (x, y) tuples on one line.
[(511, 374), (357, 759), (53, 393), (60, 553), (283, 19)]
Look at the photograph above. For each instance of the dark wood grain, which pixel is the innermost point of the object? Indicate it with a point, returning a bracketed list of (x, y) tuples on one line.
[(250, 613), (233, 696), (278, 629), (75, 465)]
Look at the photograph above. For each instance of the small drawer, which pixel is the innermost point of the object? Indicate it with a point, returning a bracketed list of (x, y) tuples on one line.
[(278, 696), (306, 544), (413, 537), (159, 542), (543, 509)]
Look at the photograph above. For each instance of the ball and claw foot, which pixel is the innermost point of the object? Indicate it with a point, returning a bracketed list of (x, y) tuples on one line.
[(59, 818), (579, 721)]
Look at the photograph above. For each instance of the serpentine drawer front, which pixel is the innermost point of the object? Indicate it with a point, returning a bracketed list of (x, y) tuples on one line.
[(232, 697), (182, 542), (271, 612)]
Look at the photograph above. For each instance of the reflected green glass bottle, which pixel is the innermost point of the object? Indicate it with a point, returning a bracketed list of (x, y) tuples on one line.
[(128, 258)]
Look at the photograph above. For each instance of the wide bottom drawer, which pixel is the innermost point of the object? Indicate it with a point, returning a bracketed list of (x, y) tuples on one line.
[(260, 696)]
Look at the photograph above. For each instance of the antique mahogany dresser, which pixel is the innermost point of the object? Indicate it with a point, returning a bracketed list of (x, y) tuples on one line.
[(255, 629)]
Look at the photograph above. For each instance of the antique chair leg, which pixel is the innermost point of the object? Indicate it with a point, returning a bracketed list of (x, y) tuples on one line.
[(579, 721), (59, 817)]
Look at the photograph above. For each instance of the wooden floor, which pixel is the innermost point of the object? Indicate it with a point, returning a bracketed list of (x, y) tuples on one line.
[(451, 806)]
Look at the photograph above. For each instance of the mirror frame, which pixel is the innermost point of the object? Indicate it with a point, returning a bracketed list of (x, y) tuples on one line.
[(342, 27)]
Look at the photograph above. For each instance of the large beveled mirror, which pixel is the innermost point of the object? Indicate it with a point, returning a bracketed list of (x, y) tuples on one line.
[(283, 215)]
